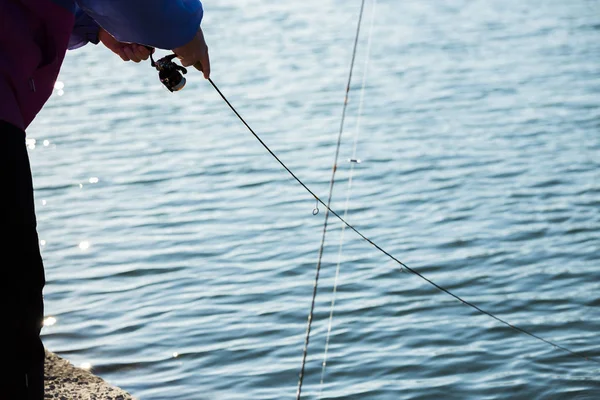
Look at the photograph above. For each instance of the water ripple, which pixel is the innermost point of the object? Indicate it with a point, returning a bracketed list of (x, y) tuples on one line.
[(180, 257)]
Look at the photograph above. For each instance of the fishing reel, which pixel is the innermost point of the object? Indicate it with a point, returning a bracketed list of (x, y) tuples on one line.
[(169, 73)]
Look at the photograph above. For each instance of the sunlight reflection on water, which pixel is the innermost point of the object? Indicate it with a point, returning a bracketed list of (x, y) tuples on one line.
[(167, 227)]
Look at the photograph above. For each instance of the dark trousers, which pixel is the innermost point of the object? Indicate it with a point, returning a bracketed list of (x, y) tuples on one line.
[(21, 274)]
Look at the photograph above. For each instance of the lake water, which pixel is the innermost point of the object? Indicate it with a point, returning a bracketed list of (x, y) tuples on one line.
[(180, 257)]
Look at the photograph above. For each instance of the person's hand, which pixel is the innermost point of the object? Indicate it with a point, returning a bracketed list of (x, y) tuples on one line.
[(127, 51), (195, 53)]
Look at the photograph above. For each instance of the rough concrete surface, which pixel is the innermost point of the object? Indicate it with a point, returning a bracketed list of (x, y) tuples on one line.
[(66, 382)]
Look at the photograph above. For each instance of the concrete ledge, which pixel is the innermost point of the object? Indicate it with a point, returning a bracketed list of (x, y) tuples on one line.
[(66, 382)]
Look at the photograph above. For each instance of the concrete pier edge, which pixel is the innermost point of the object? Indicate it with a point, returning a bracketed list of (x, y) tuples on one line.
[(64, 381)]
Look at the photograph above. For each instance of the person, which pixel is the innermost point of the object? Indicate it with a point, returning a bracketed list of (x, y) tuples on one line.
[(34, 37)]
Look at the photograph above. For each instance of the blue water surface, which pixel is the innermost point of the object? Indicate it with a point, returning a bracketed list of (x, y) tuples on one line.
[(180, 257)]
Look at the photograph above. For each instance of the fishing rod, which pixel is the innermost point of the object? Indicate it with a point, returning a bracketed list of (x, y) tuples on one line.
[(354, 160), (171, 75), (328, 211)]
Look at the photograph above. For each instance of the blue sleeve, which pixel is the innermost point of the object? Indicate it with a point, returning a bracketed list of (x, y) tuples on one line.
[(85, 30), (165, 24)]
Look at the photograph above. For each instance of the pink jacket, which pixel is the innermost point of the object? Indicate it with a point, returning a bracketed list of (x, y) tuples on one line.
[(34, 37)]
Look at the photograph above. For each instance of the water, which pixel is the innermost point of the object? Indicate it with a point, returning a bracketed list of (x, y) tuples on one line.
[(180, 257)]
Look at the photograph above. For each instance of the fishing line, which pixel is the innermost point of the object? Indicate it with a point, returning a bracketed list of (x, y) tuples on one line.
[(353, 161), (389, 255)]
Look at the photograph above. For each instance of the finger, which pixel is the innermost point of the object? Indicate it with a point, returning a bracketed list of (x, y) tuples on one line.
[(129, 52), (141, 52), (205, 64), (204, 57), (187, 62), (121, 53)]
